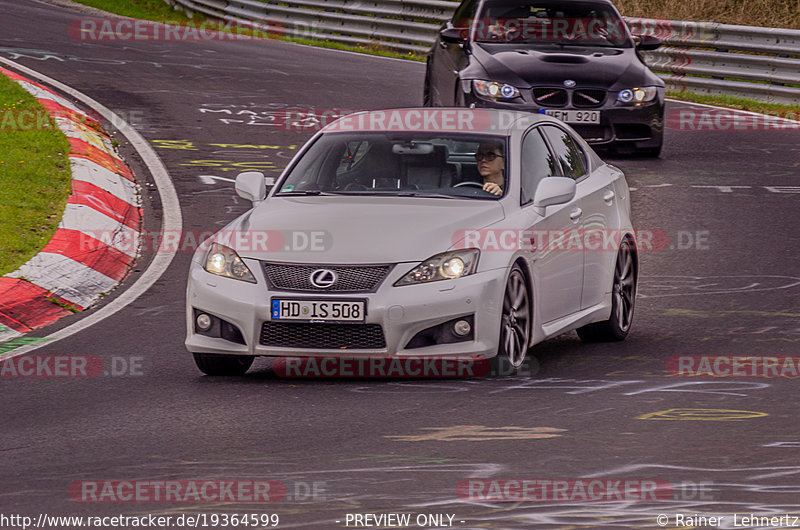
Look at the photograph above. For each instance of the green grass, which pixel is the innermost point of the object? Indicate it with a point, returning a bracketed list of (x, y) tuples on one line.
[(35, 176), (143, 9)]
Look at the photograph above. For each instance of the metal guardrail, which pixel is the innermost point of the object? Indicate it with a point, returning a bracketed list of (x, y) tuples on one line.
[(704, 57)]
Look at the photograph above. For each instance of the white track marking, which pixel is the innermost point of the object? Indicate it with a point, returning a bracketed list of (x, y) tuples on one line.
[(171, 213)]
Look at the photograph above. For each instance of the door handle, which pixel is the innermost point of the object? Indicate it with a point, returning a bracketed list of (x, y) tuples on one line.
[(575, 214), (608, 196)]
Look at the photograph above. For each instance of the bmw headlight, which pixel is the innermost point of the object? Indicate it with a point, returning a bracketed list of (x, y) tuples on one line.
[(444, 266), (492, 89), (224, 261), (637, 95)]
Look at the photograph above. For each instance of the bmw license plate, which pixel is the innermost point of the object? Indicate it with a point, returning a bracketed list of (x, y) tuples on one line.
[(575, 116), (319, 310)]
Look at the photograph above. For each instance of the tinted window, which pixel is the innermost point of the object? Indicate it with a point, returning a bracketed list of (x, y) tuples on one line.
[(548, 22), (569, 154), (464, 14), (537, 163), (405, 164)]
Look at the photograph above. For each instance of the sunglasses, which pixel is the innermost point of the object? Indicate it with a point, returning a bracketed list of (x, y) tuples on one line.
[(491, 157)]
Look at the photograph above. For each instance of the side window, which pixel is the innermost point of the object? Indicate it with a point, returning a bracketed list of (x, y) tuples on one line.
[(537, 163), (567, 151), (462, 18)]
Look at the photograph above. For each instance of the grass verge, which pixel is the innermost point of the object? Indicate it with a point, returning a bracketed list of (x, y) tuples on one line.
[(35, 173)]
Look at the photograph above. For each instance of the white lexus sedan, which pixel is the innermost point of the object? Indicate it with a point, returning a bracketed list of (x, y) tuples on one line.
[(425, 233)]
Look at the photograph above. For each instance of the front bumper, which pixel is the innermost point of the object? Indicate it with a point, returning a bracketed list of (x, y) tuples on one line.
[(401, 312), (641, 126)]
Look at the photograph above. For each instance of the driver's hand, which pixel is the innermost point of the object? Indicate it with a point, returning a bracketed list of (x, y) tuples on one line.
[(493, 188)]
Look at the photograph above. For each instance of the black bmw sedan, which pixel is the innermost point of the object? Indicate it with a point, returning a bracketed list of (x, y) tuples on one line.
[(572, 59)]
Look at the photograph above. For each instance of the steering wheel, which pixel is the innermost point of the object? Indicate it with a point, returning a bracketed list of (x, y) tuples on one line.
[(469, 183), (355, 186)]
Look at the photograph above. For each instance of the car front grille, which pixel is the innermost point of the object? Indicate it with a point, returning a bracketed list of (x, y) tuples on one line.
[(322, 336), (588, 98), (350, 278), (550, 97)]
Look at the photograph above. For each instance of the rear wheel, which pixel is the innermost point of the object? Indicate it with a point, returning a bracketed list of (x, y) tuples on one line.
[(623, 299), (515, 325), (212, 364)]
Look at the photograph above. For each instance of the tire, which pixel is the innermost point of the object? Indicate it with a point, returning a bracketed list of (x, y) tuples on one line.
[(515, 322), (212, 364), (623, 301)]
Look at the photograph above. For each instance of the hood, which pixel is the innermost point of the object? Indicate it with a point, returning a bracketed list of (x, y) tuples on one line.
[(361, 229), (527, 65)]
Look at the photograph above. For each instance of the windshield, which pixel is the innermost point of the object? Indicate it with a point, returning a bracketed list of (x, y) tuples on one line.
[(404, 164), (566, 24)]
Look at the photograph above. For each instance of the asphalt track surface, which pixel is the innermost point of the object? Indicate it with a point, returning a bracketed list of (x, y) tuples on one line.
[(612, 411)]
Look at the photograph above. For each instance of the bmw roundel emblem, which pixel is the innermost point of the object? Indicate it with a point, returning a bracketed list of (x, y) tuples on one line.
[(569, 83)]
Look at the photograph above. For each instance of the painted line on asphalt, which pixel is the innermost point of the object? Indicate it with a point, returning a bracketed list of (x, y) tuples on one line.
[(172, 220)]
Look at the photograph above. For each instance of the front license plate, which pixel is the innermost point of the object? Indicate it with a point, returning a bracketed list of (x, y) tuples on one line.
[(575, 116), (319, 310)]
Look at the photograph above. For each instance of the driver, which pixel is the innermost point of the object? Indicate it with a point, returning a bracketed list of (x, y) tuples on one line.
[(491, 165)]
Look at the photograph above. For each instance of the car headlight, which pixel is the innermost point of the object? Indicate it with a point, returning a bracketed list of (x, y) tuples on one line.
[(492, 89), (637, 95), (224, 261), (444, 266)]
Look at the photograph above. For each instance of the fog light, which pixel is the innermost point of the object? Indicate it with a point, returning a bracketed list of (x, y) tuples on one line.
[(203, 322), (461, 328)]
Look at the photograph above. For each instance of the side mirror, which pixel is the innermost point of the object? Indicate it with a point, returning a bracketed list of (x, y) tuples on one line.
[(453, 35), (646, 42), (251, 185), (552, 191)]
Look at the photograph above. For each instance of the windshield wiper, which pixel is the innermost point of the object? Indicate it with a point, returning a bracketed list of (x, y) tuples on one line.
[(426, 195), (303, 192)]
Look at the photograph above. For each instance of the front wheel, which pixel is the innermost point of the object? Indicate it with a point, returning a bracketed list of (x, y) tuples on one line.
[(623, 300), (515, 324), (212, 364)]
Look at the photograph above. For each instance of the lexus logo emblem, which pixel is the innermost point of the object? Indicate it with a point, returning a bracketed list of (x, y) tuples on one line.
[(569, 83), (323, 278)]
